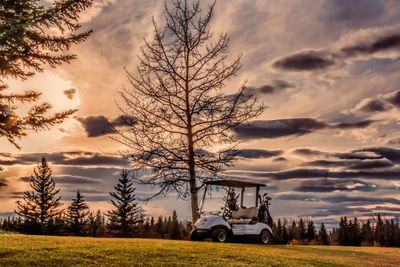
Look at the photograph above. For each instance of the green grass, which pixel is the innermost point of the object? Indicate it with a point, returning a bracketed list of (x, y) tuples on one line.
[(20, 250)]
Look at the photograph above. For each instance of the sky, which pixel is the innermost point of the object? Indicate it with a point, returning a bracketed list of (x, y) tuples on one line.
[(328, 145)]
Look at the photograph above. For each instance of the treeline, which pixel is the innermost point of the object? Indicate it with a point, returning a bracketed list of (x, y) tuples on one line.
[(299, 232), (373, 232), (40, 212), (96, 225)]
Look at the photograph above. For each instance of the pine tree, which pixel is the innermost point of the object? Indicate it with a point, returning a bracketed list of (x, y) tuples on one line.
[(310, 231), (302, 230), (97, 226), (355, 233), (152, 221), (292, 231), (77, 214), (323, 235), (158, 227), (42, 204), (367, 233), (27, 38), (379, 231), (174, 229), (27, 44), (285, 235), (127, 214), (278, 231)]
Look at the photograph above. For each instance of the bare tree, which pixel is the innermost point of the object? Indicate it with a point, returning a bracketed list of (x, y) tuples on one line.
[(180, 120)]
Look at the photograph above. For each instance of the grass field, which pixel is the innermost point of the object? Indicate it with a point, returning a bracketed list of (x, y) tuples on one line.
[(20, 250)]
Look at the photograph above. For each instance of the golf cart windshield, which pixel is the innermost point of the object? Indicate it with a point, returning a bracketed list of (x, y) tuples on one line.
[(217, 201)]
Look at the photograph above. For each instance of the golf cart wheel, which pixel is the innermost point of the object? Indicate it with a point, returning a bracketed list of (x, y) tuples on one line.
[(195, 237), (219, 235), (265, 237)]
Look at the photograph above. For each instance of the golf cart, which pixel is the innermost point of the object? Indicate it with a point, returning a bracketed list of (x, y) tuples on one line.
[(234, 221)]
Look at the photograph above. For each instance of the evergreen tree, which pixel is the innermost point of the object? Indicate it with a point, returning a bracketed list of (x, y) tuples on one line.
[(367, 233), (397, 234), (285, 235), (27, 43), (28, 40), (158, 227), (174, 231), (97, 226), (77, 214), (167, 226), (342, 232), (127, 214), (379, 231), (292, 231), (323, 235), (310, 230), (42, 204), (302, 230), (277, 230), (355, 233)]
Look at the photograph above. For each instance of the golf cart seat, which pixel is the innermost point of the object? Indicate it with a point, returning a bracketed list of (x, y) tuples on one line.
[(244, 215)]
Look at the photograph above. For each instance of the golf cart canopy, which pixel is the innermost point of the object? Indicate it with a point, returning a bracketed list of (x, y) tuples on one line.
[(235, 183)]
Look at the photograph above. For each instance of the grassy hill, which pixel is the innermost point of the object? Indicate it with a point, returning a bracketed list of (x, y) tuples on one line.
[(20, 250)]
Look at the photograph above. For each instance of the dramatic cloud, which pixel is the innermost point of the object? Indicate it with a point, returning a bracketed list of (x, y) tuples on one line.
[(308, 152), (289, 127), (352, 125), (71, 158), (362, 155), (340, 199), (352, 164), (371, 46), (357, 154), (362, 200), (394, 98), (372, 105), (258, 153), (276, 86), (122, 121), (306, 61), (382, 42), (309, 173), (2, 183), (70, 93), (96, 126), (278, 128), (391, 154), (331, 185)]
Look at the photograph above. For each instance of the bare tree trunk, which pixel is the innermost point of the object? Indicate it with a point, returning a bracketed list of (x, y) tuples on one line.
[(193, 195), (191, 159), (192, 170)]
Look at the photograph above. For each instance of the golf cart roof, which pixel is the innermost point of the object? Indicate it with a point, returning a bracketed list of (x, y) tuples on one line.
[(235, 183)]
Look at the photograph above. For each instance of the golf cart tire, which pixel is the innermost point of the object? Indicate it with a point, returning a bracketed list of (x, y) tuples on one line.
[(265, 237), (195, 237), (220, 234)]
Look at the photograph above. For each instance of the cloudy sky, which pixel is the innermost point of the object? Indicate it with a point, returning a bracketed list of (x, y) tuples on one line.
[(329, 72)]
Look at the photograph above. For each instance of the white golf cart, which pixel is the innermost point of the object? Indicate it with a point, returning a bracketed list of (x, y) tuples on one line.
[(237, 222)]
